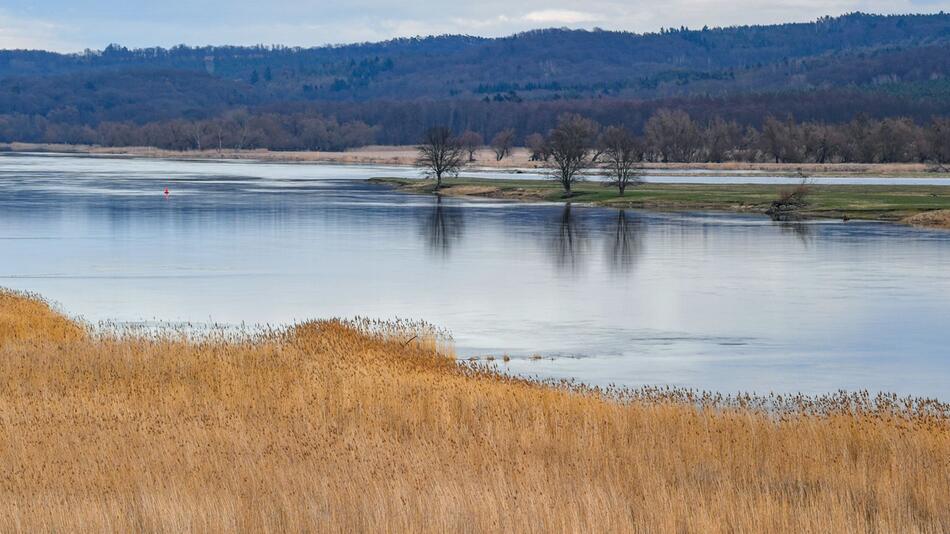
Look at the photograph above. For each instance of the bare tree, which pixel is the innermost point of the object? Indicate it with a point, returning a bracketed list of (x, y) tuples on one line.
[(720, 137), (938, 136), (791, 200), (673, 135), (242, 123), (217, 127), (899, 139), (471, 141), (620, 156), (197, 131), (537, 147), (819, 142), (779, 139), (569, 145), (502, 142), (440, 154)]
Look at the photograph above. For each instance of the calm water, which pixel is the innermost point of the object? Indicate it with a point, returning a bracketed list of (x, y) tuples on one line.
[(722, 302)]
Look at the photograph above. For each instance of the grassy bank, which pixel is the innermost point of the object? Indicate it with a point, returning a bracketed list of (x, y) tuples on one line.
[(350, 427), (876, 202)]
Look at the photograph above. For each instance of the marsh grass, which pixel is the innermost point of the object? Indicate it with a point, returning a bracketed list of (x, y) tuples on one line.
[(373, 426)]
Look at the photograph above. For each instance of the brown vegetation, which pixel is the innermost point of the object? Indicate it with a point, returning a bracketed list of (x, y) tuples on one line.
[(790, 199), (348, 427), (930, 219), (519, 158)]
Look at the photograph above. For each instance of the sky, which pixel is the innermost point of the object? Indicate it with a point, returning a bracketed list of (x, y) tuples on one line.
[(75, 25)]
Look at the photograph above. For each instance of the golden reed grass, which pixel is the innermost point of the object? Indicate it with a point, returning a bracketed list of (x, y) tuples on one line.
[(346, 427)]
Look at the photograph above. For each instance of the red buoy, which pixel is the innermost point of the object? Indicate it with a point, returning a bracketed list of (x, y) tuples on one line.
[(166, 191)]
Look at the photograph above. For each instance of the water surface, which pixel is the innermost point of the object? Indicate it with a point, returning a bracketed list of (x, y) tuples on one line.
[(723, 302)]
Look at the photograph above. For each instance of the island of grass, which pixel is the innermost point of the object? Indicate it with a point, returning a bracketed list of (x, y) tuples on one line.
[(925, 205)]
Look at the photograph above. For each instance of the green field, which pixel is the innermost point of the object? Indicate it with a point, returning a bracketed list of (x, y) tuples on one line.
[(877, 202)]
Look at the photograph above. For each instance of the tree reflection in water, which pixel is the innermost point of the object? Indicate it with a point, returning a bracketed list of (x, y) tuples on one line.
[(804, 232), (624, 242), (442, 228), (568, 243)]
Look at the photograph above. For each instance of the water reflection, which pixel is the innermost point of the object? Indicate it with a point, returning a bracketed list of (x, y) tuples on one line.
[(624, 242), (721, 301), (569, 242), (442, 228), (803, 231)]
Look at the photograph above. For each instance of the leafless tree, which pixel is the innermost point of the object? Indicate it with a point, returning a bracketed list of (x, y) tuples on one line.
[(242, 122), (502, 142), (440, 154), (569, 145), (819, 142), (620, 157), (938, 136), (780, 139), (719, 138), (217, 127), (537, 147), (900, 140), (791, 200), (673, 135), (471, 141), (197, 131)]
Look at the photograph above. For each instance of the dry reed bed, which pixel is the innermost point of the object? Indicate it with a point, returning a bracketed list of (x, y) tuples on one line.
[(347, 427), (930, 219)]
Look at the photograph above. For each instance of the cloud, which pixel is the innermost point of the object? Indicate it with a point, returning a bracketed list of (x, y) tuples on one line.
[(560, 16), (71, 25), (32, 33)]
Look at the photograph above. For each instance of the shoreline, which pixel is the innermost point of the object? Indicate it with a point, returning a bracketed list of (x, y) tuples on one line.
[(921, 206), (404, 156), (925, 206)]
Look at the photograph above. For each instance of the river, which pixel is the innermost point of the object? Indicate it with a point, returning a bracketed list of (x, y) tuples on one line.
[(713, 301)]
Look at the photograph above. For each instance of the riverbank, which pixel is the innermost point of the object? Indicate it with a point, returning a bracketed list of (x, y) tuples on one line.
[(484, 158), (921, 205), (349, 427)]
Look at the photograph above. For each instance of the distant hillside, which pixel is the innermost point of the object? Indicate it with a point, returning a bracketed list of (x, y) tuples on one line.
[(860, 63), (548, 63)]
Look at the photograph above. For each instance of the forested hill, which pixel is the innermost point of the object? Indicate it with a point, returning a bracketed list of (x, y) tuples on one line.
[(549, 63), (879, 65)]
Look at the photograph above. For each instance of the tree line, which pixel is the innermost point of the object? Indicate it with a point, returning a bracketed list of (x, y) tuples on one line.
[(668, 135), (578, 144), (673, 136), (238, 130)]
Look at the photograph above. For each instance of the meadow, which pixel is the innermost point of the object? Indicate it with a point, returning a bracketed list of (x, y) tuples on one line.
[(367, 426), (867, 202)]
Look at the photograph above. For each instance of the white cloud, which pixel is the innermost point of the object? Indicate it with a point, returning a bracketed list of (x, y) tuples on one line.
[(71, 25), (468, 24), (560, 16), (32, 33)]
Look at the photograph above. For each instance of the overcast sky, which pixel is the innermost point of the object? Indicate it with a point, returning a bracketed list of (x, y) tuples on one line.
[(73, 25)]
